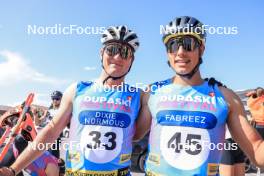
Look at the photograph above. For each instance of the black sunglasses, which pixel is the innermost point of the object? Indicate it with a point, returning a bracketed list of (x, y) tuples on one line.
[(57, 99), (188, 43), (114, 49)]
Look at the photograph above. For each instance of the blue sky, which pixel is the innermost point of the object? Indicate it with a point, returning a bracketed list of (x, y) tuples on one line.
[(42, 63)]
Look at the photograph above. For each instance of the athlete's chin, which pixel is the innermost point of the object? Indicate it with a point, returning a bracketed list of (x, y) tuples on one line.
[(116, 72), (182, 70)]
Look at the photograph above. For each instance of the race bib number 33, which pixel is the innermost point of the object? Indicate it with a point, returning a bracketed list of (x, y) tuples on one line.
[(101, 144)]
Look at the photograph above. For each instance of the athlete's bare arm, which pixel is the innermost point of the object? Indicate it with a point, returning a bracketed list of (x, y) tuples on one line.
[(144, 119), (52, 170), (48, 134), (242, 132), (44, 116)]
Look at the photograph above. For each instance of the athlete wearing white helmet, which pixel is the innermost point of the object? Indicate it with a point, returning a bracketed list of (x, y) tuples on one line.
[(121, 34), (103, 121), (120, 40)]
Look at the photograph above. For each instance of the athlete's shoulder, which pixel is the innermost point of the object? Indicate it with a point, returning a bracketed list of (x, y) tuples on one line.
[(213, 82), (82, 85), (162, 83), (230, 96), (70, 92), (157, 85)]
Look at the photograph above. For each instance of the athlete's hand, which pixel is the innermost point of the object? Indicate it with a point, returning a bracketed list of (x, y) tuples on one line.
[(258, 92), (5, 171), (251, 93)]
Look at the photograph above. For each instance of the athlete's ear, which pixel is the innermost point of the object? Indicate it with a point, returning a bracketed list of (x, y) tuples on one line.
[(168, 62), (132, 59), (201, 50), (168, 59), (101, 53)]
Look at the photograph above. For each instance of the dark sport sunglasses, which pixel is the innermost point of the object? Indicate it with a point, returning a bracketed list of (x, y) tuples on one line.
[(114, 49), (188, 43), (57, 99)]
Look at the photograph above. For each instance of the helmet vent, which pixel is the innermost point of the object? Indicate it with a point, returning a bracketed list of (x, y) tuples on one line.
[(187, 19), (131, 37), (196, 23), (112, 33), (104, 35), (122, 33), (178, 21)]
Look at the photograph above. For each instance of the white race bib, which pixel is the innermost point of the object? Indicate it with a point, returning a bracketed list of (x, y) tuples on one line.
[(183, 147), (101, 144)]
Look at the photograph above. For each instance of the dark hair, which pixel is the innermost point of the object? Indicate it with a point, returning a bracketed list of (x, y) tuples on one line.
[(258, 88)]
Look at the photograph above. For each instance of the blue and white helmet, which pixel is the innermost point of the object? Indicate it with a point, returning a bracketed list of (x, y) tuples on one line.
[(121, 34)]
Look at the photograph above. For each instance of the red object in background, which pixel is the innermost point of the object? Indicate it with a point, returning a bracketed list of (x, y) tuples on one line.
[(24, 124)]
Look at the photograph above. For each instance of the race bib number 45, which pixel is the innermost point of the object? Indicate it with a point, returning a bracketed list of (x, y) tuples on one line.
[(101, 144), (182, 147)]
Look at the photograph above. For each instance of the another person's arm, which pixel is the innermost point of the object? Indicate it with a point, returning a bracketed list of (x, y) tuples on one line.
[(242, 132), (47, 135), (36, 117), (52, 170), (44, 116)]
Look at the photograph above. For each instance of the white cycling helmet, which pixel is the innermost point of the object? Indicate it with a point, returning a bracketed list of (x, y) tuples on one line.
[(120, 34)]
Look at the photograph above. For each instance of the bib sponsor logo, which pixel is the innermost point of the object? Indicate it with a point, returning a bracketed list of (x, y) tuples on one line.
[(125, 158), (104, 118), (110, 100), (112, 104), (189, 102), (74, 157), (196, 119), (153, 158), (212, 168), (189, 98), (91, 173), (119, 172), (211, 94), (151, 173)]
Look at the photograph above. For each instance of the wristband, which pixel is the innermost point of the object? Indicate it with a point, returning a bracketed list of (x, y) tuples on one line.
[(13, 171)]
